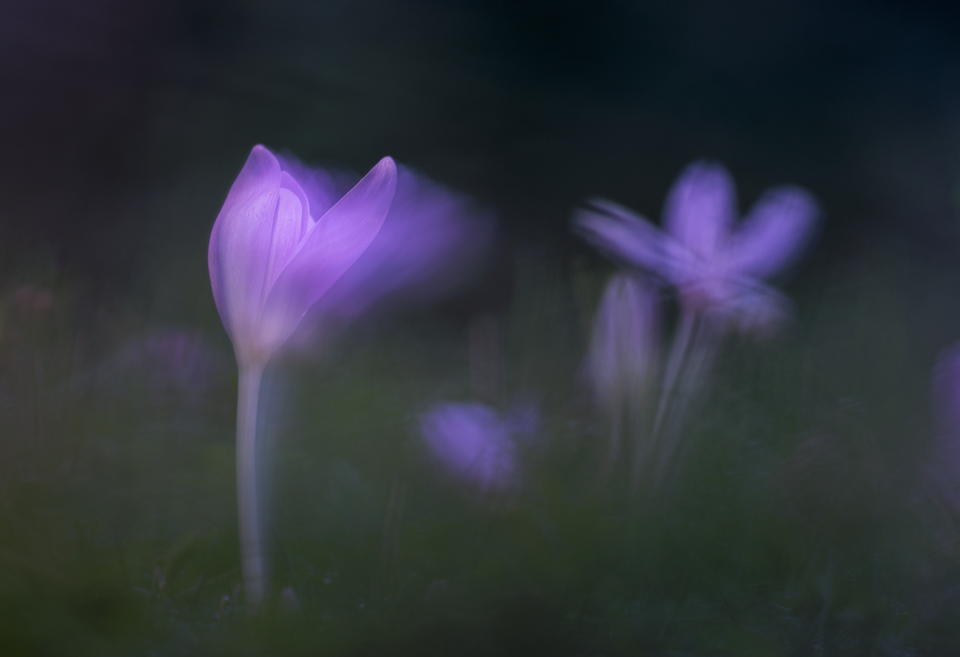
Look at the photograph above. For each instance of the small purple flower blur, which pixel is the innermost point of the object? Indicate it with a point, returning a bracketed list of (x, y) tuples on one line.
[(718, 269), (946, 399), (275, 250), (177, 360), (622, 360), (474, 444)]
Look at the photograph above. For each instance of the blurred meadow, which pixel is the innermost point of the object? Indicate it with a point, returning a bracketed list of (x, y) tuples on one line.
[(810, 509)]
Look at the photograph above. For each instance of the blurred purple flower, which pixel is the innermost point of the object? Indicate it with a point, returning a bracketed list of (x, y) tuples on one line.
[(622, 360), (167, 360), (946, 399), (718, 269), (474, 444), (283, 243), (275, 249)]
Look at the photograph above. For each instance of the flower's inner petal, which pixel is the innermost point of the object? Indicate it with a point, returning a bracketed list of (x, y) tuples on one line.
[(700, 208), (240, 243), (777, 229), (317, 184), (287, 227), (288, 182)]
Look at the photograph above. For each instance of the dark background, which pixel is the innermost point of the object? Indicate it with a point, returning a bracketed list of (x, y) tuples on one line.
[(123, 124), (815, 509)]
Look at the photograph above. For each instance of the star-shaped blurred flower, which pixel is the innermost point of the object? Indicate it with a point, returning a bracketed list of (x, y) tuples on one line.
[(717, 267)]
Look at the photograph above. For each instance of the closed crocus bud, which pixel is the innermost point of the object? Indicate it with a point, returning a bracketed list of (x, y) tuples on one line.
[(623, 348), (278, 245), (272, 256)]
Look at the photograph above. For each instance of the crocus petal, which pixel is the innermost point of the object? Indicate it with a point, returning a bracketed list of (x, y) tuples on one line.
[(776, 230), (318, 186), (332, 245), (624, 235), (430, 240), (240, 244), (700, 208), (291, 208)]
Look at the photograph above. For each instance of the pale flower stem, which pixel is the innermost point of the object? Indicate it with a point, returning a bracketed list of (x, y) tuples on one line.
[(251, 549), (698, 362), (678, 352)]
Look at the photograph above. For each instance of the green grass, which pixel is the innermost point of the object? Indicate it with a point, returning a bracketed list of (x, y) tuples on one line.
[(801, 519)]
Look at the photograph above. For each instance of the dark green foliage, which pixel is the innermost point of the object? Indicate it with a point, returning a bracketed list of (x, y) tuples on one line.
[(801, 518)]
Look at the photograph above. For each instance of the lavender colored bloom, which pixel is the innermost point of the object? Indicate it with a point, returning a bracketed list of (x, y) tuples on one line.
[(286, 241), (474, 444), (946, 398), (273, 255), (622, 360), (717, 268)]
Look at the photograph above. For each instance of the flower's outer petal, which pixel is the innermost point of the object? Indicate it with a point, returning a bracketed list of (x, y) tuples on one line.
[(625, 236), (700, 208), (430, 241), (329, 249), (240, 245), (778, 227)]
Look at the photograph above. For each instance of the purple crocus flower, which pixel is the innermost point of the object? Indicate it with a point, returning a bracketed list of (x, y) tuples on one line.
[(287, 242), (474, 444), (274, 252), (273, 255), (717, 268)]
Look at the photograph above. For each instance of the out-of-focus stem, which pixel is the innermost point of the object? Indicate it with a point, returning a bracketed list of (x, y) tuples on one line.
[(697, 363), (678, 352), (251, 549)]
